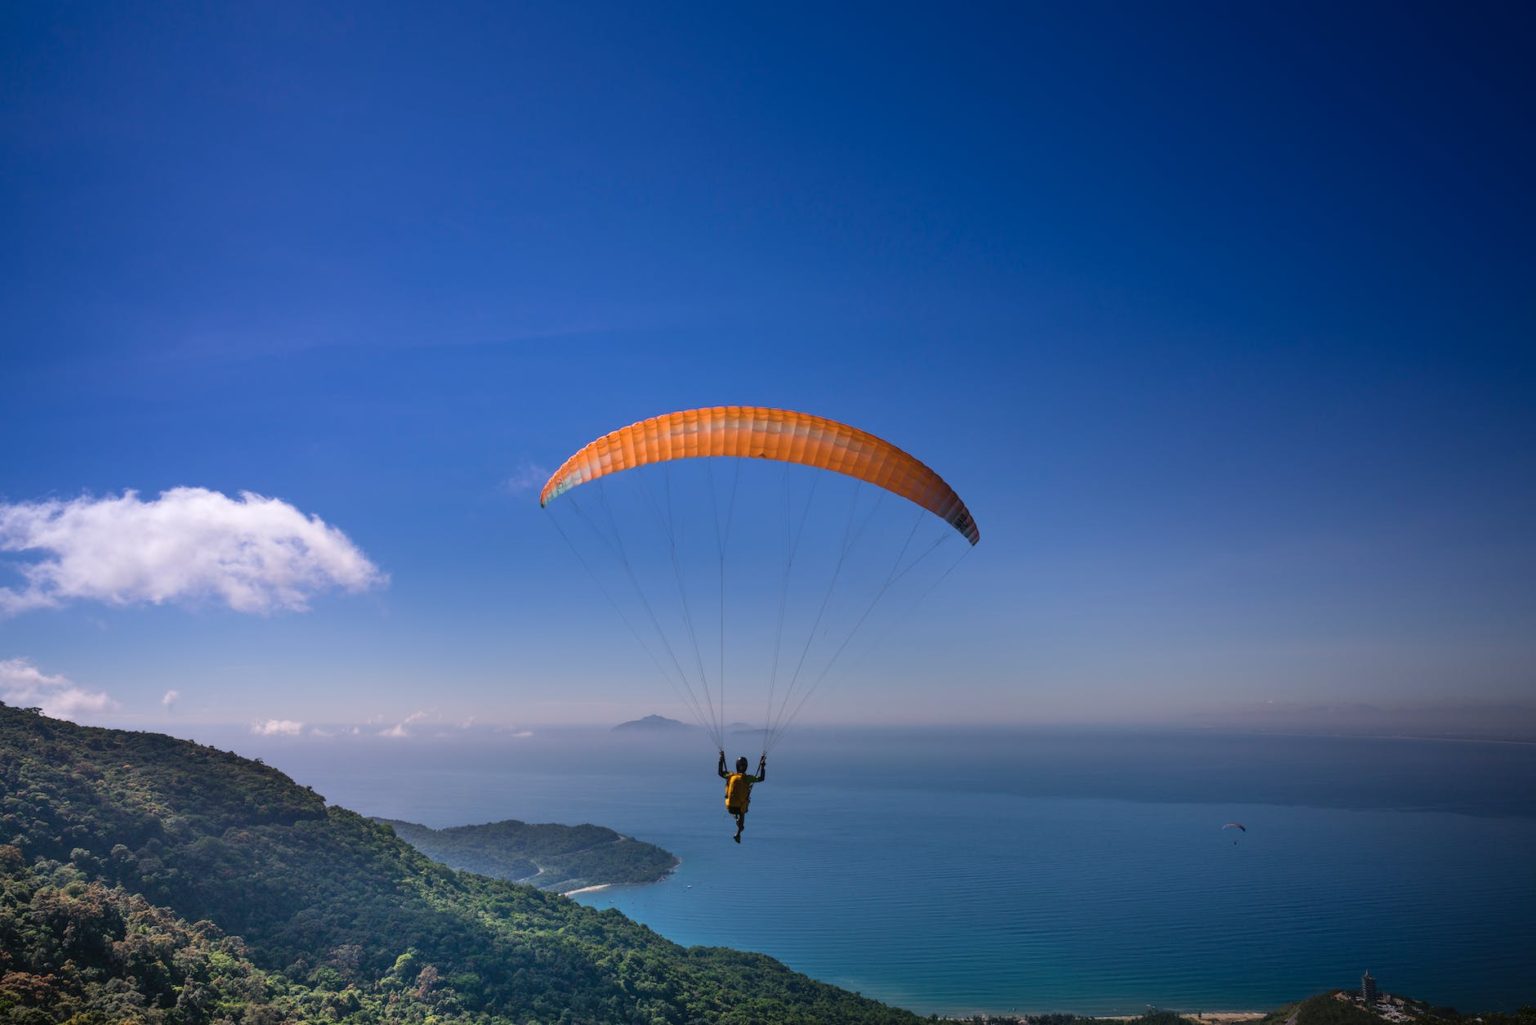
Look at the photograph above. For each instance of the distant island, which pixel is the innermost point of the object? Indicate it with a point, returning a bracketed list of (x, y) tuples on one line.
[(564, 859), (661, 724), (653, 723)]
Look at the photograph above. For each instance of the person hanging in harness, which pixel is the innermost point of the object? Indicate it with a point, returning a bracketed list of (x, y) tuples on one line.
[(738, 788)]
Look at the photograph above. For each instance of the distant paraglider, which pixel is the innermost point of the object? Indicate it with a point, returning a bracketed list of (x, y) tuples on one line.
[(1237, 826)]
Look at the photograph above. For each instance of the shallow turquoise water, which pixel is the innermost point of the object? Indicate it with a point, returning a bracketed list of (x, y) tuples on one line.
[(996, 872)]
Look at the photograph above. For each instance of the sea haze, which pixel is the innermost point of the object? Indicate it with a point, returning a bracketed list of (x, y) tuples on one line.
[(954, 871)]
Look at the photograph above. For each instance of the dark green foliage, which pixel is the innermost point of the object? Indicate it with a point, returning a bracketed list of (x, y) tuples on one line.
[(1162, 1018), (79, 951), (1524, 1016), (113, 844), (1323, 1009), (1151, 1018), (551, 857), (1343, 1007)]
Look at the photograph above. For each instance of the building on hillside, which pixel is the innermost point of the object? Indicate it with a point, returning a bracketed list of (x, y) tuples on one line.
[(1368, 987)]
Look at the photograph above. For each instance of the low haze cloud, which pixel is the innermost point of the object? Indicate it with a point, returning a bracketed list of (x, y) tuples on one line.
[(169, 701), (253, 554), (277, 728), (528, 478), (1473, 719), (23, 684), (401, 729)]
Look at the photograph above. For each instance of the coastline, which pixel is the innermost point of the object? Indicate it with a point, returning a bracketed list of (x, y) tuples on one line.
[(1218, 1017), (1212, 1017), (676, 862)]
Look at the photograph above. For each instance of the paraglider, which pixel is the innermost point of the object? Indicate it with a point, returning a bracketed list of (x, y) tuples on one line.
[(782, 577), (738, 788), (1237, 826)]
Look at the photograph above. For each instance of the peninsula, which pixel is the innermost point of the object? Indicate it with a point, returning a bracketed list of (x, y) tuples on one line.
[(562, 859)]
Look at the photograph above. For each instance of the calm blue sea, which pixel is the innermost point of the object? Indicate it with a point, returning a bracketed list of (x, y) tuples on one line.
[(1076, 871)]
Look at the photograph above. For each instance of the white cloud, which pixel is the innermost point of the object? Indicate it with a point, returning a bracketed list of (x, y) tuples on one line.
[(277, 728), (169, 701), (254, 554), (527, 478), (23, 684), (400, 729)]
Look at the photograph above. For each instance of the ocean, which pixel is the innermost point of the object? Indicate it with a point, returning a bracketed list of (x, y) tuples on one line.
[(955, 871)]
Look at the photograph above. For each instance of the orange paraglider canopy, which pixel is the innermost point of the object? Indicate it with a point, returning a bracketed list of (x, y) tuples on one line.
[(756, 432)]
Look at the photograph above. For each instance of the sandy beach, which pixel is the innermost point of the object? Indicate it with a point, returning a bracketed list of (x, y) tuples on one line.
[(606, 886), (1217, 1017)]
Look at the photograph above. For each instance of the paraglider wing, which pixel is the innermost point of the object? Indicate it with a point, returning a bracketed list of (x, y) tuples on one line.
[(1235, 825), (829, 582), (756, 432)]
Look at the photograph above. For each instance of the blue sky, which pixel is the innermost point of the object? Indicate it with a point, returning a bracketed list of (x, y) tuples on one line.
[(1220, 319)]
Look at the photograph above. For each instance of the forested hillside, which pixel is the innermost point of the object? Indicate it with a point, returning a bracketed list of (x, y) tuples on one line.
[(152, 879), (1344, 1007)]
